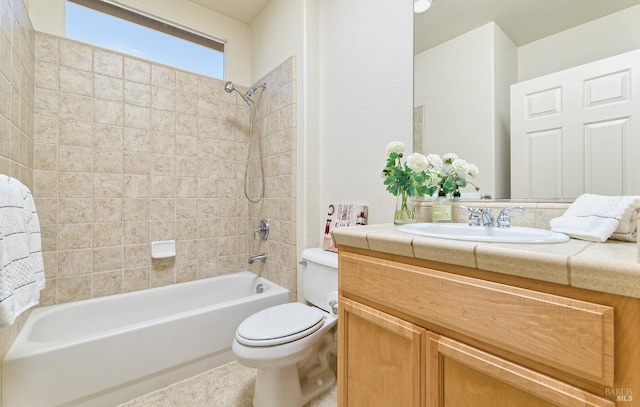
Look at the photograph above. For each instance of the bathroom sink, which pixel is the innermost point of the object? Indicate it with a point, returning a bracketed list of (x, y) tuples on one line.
[(461, 231)]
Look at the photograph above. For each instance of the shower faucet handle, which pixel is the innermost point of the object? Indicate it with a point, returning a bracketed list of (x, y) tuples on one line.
[(262, 230)]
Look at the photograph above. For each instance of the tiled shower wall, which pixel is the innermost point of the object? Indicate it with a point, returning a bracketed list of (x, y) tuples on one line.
[(128, 152), (16, 111), (16, 91)]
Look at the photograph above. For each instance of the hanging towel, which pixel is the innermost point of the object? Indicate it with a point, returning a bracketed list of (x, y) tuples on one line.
[(21, 267), (597, 218)]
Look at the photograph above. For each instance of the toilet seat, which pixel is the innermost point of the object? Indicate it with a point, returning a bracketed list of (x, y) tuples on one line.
[(280, 324)]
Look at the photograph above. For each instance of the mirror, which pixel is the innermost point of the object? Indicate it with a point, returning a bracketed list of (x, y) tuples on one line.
[(462, 106)]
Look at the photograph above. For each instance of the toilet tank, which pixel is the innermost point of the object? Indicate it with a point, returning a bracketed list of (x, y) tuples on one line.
[(320, 276)]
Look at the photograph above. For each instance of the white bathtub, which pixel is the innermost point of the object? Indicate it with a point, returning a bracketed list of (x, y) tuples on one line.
[(105, 351)]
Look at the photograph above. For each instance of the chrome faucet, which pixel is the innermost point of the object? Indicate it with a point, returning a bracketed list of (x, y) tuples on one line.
[(260, 258), (503, 218), (478, 216)]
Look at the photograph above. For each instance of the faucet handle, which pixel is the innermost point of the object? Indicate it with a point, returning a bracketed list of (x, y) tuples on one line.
[(475, 217), (262, 230), (504, 221)]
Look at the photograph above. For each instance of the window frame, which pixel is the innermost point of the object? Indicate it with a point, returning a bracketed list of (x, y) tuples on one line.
[(152, 23)]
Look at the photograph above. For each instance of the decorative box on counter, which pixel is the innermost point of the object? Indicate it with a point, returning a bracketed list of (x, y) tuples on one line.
[(342, 215)]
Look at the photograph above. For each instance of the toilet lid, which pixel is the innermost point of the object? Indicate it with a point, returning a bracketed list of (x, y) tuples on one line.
[(279, 324)]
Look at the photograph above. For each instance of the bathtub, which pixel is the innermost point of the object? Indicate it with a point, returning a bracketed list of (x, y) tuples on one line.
[(105, 351)]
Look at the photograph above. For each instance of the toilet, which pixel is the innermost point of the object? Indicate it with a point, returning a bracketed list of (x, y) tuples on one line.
[(289, 344)]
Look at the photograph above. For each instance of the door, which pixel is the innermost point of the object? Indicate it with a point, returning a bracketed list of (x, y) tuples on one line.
[(576, 131)]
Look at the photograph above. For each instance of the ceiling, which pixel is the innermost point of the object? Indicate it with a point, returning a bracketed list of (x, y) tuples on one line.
[(523, 21), (244, 11)]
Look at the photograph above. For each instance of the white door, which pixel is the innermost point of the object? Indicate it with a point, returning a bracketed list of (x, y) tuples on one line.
[(576, 131)]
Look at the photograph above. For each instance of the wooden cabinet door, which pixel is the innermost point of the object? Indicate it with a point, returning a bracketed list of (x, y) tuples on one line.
[(380, 358), (459, 375)]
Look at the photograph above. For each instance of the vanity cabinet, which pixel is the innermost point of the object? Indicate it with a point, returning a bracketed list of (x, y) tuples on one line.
[(419, 333)]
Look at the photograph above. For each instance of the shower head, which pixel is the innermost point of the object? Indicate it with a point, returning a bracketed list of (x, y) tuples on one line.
[(228, 87)]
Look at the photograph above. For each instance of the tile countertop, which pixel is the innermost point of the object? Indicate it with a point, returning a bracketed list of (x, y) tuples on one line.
[(610, 267)]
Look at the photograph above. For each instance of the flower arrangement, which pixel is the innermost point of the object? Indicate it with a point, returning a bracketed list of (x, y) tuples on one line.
[(421, 175), (451, 172)]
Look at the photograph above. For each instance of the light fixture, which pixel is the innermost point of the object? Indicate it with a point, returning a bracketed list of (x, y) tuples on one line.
[(420, 6)]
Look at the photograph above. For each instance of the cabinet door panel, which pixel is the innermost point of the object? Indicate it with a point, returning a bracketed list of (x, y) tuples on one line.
[(378, 358), (460, 375)]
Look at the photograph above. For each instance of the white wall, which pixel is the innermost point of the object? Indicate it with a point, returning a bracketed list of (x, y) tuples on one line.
[(457, 83), (366, 87), (48, 16), (608, 36)]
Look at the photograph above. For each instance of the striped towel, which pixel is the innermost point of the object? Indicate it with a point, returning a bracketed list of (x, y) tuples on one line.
[(597, 218), (21, 267)]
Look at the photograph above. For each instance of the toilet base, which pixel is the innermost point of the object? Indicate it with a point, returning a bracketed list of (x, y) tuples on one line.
[(295, 385)]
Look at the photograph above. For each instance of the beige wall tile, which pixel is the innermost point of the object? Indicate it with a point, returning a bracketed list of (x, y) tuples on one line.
[(76, 81), (108, 88), (74, 236), (75, 184), (107, 210), (107, 234), (137, 70), (46, 157), (108, 112), (74, 262), (163, 77), (107, 259), (75, 210), (45, 184), (136, 279), (106, 136), (108, 283), (108, 160), (136, 232), (75, 55), (46, 48), (76, 107), (108, 185), (74, 288), (136, 256), (108, 63), (45, 129), (138, 94), (75, 133)]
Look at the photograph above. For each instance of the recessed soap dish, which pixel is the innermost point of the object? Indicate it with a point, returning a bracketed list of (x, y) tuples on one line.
[(163, 249)]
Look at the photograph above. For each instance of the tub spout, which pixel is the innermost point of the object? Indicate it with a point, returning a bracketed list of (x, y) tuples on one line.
[(259, 258)]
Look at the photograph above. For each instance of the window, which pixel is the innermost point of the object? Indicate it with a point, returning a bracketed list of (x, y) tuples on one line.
[(109, 26)]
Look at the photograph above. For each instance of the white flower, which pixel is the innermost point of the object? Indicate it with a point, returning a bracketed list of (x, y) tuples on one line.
[(473, 170), (435, 161), (460, 166), (449, 157), (395, 147), (417, 162)]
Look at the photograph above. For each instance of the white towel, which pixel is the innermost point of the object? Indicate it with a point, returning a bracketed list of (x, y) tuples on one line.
[(597, 218), (21, 267)]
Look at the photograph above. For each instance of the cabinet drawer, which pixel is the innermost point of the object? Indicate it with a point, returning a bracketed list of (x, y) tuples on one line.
[(571, 335)]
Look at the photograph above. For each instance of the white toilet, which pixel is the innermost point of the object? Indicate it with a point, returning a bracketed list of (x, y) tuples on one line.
[(289, 344)]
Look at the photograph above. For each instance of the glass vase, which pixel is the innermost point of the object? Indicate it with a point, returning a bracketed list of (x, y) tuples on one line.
[(404, 210)]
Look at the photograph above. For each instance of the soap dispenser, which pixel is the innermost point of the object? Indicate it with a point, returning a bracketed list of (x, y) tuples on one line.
[(441, 209)]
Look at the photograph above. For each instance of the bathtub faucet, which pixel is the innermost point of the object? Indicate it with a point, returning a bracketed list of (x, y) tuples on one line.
[(259, 258)]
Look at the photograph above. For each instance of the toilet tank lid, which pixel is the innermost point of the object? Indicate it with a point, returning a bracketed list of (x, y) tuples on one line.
[(321, 256)]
